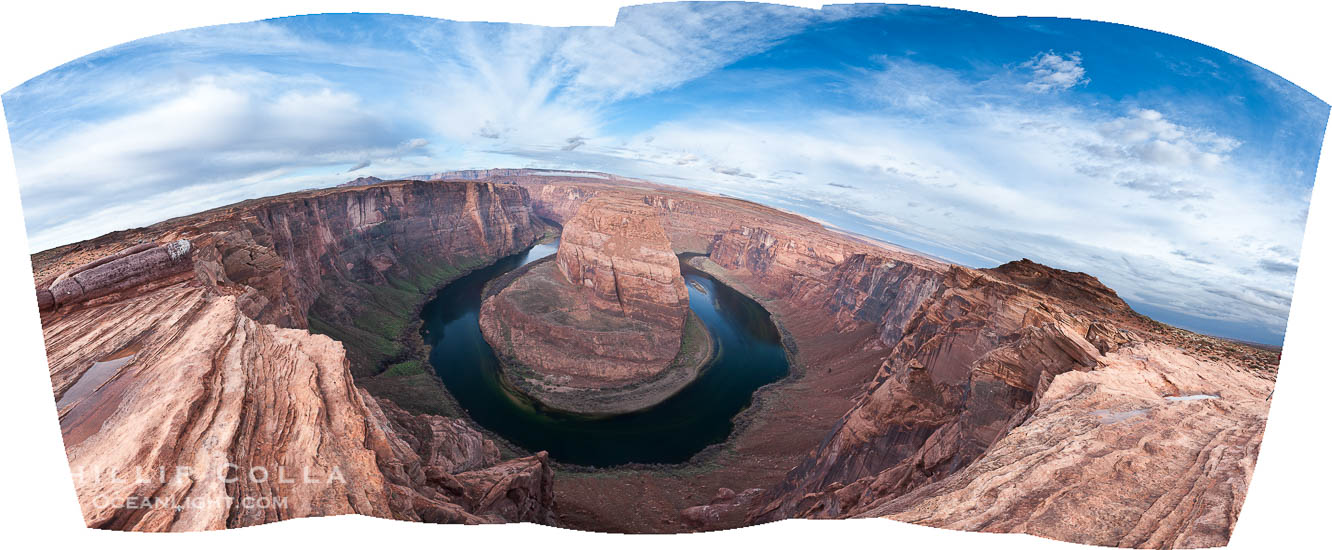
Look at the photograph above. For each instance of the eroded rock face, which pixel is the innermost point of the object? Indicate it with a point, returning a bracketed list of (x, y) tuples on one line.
[(443, 471), (191, 396), (971, 358), (1045, 394), (726, 508), (198, 403), (1112, 457), (123, 271)]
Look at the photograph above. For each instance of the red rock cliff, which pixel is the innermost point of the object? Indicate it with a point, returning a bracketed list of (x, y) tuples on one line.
[(191, 359), (1018, 399), (1045, 382)]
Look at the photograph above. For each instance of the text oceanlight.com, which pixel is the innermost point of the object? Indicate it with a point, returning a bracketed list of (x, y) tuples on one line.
[(191, 503)]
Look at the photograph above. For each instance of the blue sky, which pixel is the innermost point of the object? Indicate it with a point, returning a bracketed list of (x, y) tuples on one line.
[(1176, 173)]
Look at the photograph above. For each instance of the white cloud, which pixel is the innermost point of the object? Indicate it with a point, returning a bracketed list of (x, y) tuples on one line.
[(217, 131), (1054, 72), (191, 108)]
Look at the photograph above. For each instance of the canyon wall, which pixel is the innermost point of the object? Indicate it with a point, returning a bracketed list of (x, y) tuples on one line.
[(1016, 399), (1154, 449), (182, 370), (1029, 399), (354, 262), (777, 254), (969, 361)]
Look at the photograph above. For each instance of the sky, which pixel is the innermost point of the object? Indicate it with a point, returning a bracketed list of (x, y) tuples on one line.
[(1176, 173)]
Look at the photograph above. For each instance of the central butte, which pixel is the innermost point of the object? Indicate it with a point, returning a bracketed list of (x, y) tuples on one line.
[(604, 327)]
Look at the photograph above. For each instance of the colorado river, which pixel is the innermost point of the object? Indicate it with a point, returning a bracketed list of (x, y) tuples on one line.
[(748, 355)]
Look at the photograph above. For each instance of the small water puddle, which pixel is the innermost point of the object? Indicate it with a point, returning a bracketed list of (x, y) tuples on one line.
[(1106, 416), (96, 375), (1196, 397)]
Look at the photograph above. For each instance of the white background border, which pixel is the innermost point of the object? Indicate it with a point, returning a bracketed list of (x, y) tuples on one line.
[(1287, 502)]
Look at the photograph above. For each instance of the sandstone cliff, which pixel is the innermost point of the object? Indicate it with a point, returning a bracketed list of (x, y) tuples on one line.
[(1029, 399), (1154, 449), (971, 357), (192, 397)]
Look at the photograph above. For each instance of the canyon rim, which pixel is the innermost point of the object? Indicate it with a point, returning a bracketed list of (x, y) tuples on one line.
[(758, 263)]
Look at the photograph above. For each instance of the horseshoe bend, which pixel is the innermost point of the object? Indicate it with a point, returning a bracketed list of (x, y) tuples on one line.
[(600, 328), (292, 333)]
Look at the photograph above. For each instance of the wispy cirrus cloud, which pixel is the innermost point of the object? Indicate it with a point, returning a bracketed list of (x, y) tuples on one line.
[(536, 86), (271, 99)]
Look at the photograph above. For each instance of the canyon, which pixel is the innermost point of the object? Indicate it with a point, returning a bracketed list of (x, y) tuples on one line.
[(1020, 398)]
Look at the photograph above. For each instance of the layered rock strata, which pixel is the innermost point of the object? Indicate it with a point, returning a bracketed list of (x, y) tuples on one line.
[(970, 360), (1029, 399), (596, 329), (123, 271), (191, 395), (1154, 449)]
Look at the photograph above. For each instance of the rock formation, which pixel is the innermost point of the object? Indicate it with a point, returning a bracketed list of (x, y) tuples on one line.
[(608, 313), (971, 359), (1001, 371), (123, 271), (363, 180), (1137, 453), (191, 396)]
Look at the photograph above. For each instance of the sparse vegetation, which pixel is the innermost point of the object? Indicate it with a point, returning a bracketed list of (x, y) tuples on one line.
[(381, 333), (406, 368)]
